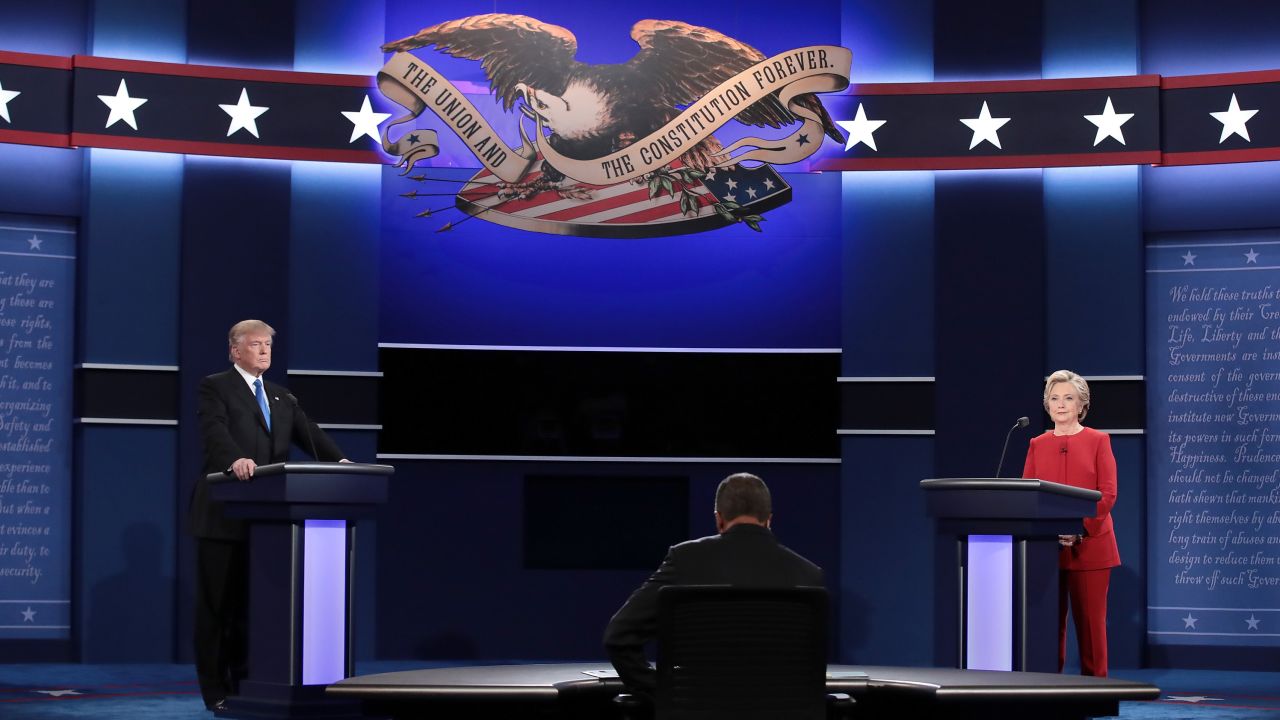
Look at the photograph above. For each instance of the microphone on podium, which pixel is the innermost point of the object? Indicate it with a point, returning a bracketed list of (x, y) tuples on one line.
[(1022, 422)]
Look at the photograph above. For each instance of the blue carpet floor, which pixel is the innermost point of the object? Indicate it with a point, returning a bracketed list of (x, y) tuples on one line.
[(152, 692)]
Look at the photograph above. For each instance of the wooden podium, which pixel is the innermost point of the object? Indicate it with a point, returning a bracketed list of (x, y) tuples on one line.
[(301, 546), (997, 543)]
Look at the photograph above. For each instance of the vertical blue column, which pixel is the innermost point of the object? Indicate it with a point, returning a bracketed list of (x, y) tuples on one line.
[(336, 213), (336, 207), (132, 231), (41, 180), (235, 235), (886, 571), (1090, 38), (1094, 291), (235, 230), (1093, 233), (887, 329), (333, 266), (127, 491), (990, 260)]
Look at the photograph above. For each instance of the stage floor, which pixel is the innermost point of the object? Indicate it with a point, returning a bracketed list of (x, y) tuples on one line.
[(581, 690), (75, 691)]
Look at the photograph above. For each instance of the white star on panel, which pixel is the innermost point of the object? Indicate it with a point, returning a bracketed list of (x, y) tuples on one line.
[(861, 130), (751, 192), (768, 184), (364, 122), (28, 615), (122, 106), (731, 184), (1189, 621), (1189, 698), (1253, 621), (1189, 259), (1234, 120), (243, 115), (35, 241), (731, 197), (1108, 124), (984, 127), (1251, 257), (5, 97)]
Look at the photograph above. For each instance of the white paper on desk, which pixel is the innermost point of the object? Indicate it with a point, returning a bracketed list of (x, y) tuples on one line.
[(602, 674)]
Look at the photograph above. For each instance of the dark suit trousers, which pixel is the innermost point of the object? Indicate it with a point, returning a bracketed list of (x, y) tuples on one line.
[(221, 616)]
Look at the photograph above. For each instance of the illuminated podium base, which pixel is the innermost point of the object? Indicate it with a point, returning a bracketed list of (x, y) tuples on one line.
[(997, 545), (301, 546)]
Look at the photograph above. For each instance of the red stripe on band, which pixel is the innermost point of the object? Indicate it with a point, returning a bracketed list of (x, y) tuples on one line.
[(191, 147), (27, 137), (222, 73), (1142, 157), (1218, 79), (57, 62), (1211, 157), (1001, 86)]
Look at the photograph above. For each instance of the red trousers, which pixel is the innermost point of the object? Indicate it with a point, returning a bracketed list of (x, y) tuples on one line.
[(1087, 591)]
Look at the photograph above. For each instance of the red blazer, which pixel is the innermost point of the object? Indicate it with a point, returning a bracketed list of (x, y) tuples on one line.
[(1082, 460)]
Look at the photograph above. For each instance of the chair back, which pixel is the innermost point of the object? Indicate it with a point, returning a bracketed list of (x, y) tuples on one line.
[(741, 653)]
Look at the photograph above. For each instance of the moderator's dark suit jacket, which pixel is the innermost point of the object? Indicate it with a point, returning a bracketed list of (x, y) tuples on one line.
[(745, 555), (232, 427)]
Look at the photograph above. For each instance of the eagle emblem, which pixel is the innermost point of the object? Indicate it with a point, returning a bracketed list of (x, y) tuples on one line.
[(647, 121)]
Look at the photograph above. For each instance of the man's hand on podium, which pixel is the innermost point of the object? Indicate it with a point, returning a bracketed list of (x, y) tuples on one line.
[(243, 469)]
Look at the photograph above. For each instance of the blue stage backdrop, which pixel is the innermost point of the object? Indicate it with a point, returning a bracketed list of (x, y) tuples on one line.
[(1214, 365), (483, 284), (37, 282)]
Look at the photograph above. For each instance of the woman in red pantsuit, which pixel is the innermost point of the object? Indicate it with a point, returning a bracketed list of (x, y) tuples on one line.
[(1073, 454)]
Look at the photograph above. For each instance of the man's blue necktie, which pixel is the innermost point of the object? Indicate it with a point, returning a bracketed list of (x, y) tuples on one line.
[(262, 401)]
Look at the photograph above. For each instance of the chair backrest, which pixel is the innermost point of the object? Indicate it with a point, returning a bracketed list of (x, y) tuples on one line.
[(741, 653)]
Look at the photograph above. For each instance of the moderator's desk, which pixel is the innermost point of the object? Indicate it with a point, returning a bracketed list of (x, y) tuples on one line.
[(568, 691)]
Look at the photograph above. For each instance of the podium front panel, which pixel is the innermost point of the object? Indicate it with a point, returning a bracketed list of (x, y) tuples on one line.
[(989, 603), (324, 601)]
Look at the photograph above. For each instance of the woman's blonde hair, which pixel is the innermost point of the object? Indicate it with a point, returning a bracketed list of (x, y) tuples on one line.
[(1078, 382)]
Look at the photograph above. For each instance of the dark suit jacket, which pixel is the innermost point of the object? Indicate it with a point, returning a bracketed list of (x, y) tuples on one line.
[(232, 427), (745, 555)]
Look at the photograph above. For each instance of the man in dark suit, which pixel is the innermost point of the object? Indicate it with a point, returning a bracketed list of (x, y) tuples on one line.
[(245, 422), (744, 553)]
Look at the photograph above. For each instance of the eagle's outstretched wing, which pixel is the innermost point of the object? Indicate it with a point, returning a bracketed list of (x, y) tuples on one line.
[(513, 49), (686, 61)]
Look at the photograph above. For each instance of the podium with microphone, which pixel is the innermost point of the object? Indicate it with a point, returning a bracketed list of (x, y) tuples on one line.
[(301, 581), (998, 544)]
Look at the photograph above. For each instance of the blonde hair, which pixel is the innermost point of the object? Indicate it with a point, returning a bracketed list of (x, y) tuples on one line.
[(244, 327), (1079, 383)]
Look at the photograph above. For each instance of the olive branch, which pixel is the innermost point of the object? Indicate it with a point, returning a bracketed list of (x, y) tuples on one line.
[(670, 181)]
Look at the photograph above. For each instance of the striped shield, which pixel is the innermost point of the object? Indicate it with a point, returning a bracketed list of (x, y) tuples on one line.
[(628, 209)]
